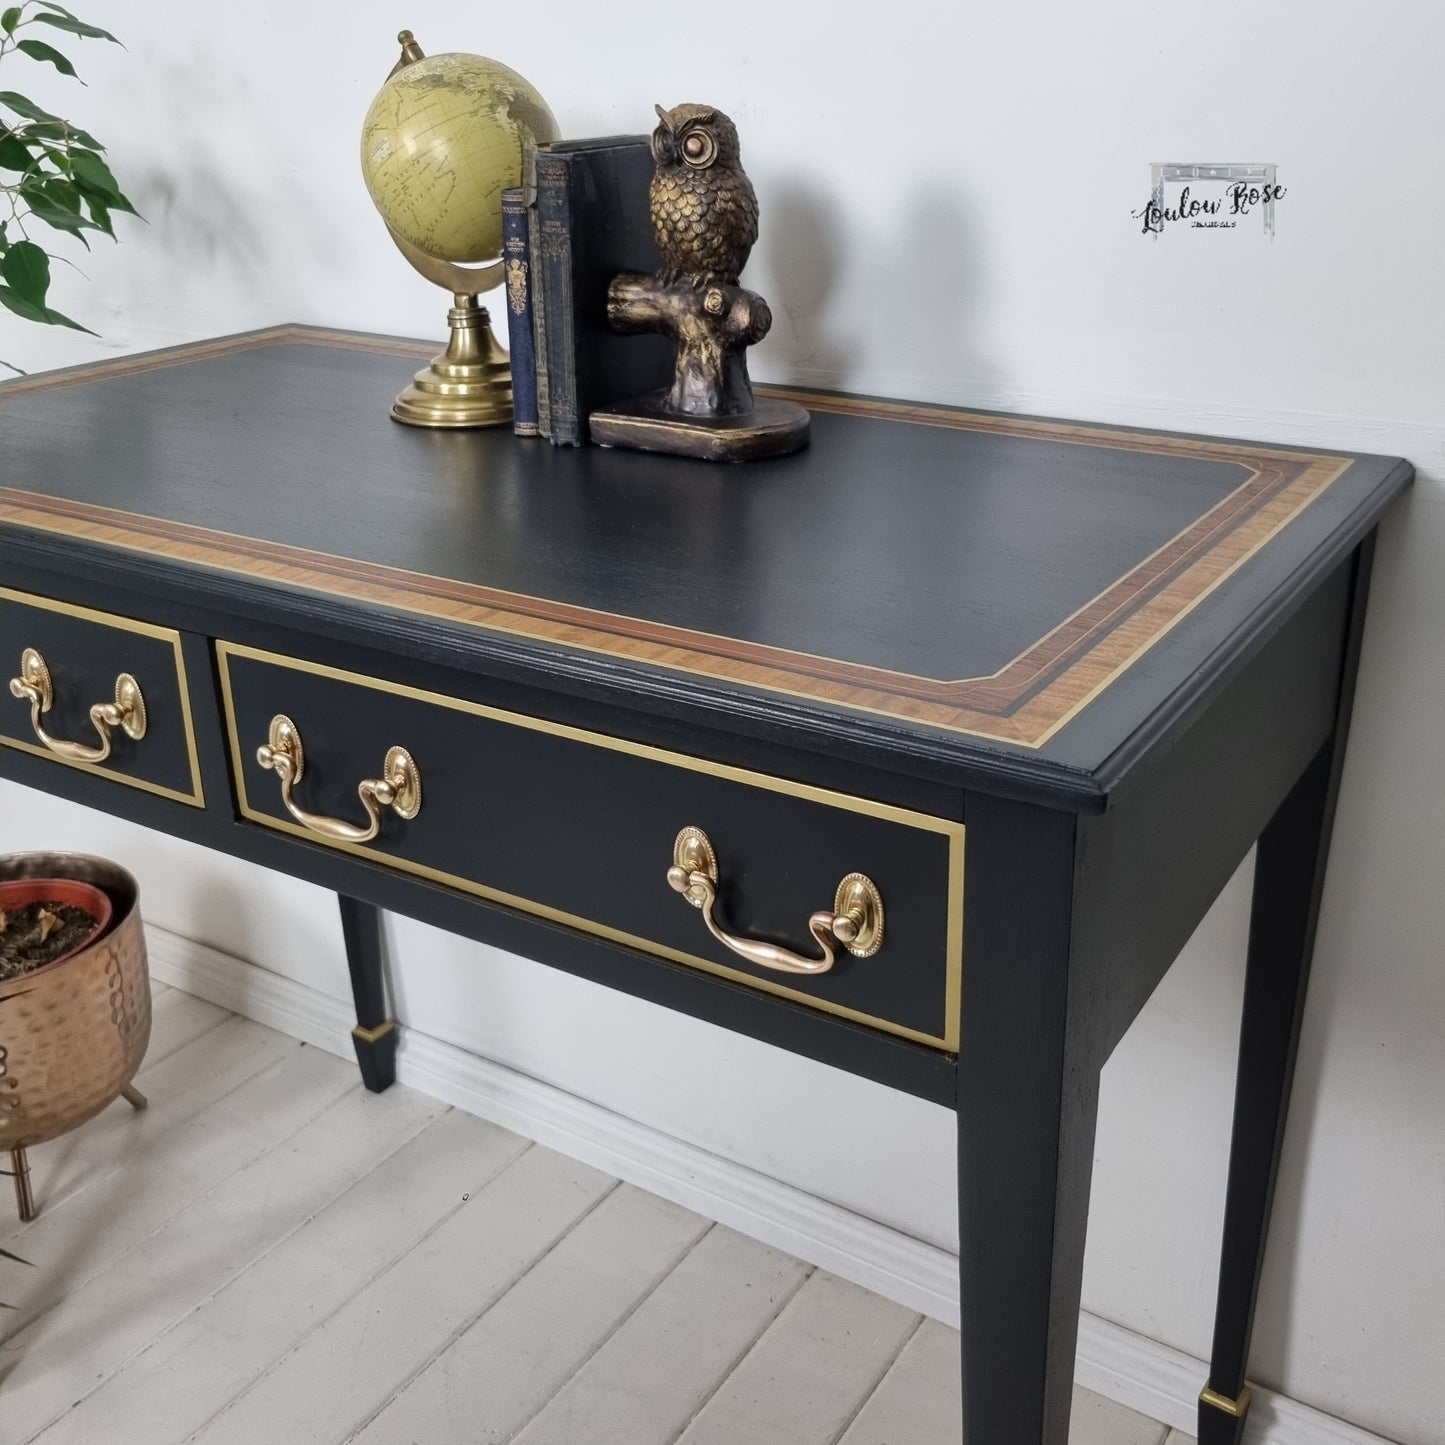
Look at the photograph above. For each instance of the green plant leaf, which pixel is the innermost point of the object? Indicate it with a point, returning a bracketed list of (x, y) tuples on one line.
[(56, 202), (62, 132), (18, 103), (66, 21), (45, 315), (56, 318), (95, 179), (26, 268), (57, 190), (26, 310), (10, 19), (93, 175), (100, 214), (64, 191), (14, 154), (60, 219), (39, 50)]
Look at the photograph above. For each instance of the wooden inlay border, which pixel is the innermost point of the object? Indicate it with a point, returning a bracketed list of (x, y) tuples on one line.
[(1025, 702)]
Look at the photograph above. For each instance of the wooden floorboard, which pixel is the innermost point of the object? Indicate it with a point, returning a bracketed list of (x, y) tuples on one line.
[(918, 1401), (178, 1019), (158, 1184), (180, 1088), (347, 1368), (96, 1329), (810, 1372), (646, 1383), (213, 1355), (269, 1253), (504, 1369)]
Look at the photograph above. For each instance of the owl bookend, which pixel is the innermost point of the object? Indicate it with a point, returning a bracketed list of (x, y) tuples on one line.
[(705, 220)]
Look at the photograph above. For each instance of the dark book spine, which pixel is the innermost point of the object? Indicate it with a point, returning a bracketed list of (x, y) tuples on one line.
[(552, 279), (515, 253), (539, 300)]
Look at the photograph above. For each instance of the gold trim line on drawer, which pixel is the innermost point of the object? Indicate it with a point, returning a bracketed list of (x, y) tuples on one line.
[(954, 832), (196, 798)]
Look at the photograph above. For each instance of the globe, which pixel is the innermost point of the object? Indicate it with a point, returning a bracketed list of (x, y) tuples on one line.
[(443, 139)]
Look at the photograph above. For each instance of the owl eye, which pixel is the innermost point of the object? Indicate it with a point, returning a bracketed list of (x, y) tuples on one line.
[(699, 149)]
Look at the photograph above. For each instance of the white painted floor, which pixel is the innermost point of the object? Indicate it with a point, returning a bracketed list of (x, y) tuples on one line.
[(270, 1254)]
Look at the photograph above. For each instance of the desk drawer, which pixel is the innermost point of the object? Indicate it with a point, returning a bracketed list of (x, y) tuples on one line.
[(99, 692), (579, 828)]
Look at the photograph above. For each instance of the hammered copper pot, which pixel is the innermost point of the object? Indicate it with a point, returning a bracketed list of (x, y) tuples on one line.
[(72, 1034)]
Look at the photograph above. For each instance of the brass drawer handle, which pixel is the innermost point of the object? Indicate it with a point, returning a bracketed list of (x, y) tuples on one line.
[(856, 920), (127, 712), (398, 788)]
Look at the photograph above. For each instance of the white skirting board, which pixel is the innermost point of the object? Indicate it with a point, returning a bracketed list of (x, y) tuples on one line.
[(1139, 1373)]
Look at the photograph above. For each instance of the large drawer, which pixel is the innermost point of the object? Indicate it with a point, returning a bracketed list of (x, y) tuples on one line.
[(580, 828), (98, 691)]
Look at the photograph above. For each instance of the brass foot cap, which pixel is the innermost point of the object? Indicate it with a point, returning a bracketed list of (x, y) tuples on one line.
[(1236, 1409)]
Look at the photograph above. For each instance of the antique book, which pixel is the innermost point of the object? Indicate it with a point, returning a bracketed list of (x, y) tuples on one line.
[(518, 261), (539, 302), (591, 219)]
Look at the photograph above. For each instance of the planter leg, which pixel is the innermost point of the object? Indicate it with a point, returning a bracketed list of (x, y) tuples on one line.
[(24, 1199), (134, 1097)]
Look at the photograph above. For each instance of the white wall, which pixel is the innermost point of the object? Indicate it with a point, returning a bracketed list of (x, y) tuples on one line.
[(945, 196)]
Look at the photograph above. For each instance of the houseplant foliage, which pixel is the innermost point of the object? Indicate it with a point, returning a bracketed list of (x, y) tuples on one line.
[(53, 175)]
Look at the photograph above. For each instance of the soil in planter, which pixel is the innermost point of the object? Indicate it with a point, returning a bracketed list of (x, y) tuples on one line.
[(38, 933)]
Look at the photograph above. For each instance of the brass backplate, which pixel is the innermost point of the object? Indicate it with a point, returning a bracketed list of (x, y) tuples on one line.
[(858, 894), (132, 706), (401, 772), (283, 740)]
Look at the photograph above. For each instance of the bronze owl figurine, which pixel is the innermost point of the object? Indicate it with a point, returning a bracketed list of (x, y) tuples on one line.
[(704, 212)]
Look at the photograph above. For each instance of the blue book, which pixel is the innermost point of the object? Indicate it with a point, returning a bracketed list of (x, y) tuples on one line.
[(516, 255)]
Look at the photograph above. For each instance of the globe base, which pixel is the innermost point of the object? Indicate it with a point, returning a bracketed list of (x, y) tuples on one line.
[(469, 384)]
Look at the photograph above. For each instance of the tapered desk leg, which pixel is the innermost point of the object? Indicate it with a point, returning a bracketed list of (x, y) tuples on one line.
[(1027, 1106), (1287, 869), (375, 1034), (1289, 874)]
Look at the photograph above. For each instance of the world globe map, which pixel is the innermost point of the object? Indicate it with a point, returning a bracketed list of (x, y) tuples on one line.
[(442, 140)]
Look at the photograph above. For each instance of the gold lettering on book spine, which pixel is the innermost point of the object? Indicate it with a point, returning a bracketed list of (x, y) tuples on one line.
[(517, 286)]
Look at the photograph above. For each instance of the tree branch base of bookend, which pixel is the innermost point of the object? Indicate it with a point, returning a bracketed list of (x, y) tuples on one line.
[(710, 411)]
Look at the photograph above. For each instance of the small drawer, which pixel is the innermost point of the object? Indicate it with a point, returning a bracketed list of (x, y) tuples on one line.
[(583, 829), (98, 692)]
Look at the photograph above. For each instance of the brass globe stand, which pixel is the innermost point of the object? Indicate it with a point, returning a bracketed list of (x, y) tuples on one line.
[(470, 383)]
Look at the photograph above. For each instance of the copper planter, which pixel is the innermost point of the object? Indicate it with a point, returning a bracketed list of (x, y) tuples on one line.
[(72, 1034)]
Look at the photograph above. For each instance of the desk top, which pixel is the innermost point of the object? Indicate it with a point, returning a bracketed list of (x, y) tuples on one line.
[(979, 586)]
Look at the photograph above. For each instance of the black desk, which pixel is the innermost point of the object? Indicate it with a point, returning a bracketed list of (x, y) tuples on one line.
[(1111, 659)]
